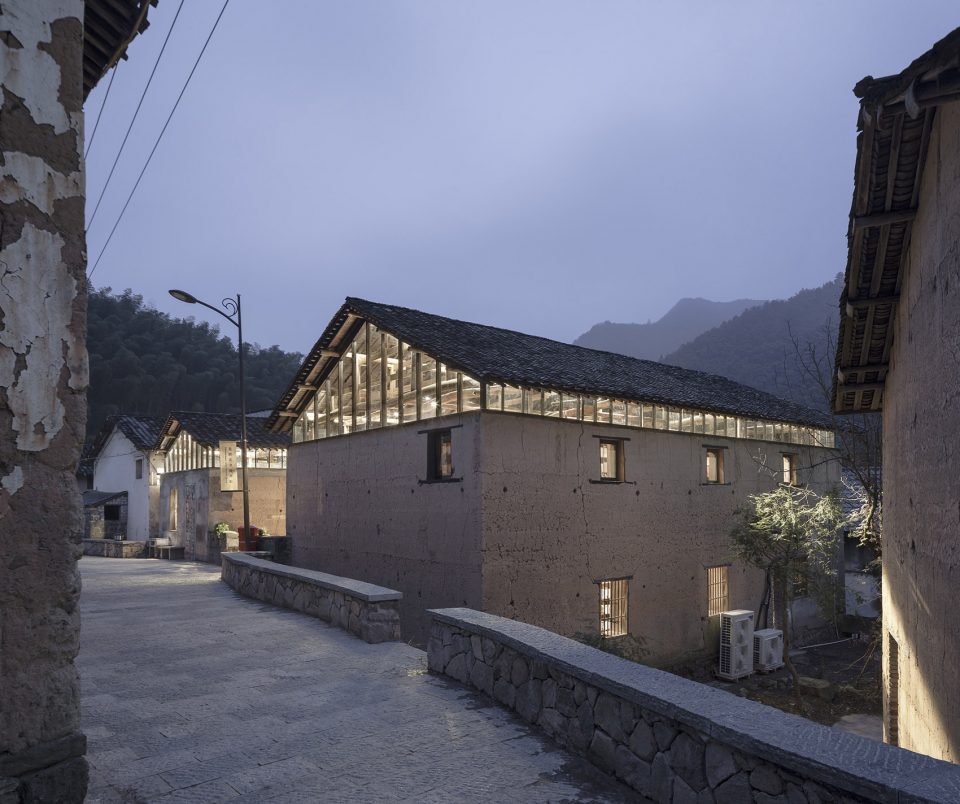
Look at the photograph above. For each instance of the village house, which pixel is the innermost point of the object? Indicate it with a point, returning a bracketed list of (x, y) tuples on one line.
[(582, 491), (125, 460), (201, 484), (899, 352)]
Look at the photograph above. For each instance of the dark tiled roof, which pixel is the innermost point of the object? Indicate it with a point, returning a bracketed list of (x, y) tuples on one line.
[(499, 355), (896, 118), (142, 431), (209, 429), (108, 28), (92, 497)]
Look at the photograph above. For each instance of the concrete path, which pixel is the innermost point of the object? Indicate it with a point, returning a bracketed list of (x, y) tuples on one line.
[(191, 693), (865, 725)]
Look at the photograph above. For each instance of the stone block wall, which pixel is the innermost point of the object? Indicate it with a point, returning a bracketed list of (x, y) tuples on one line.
[(671, 739), (108, 548), (365, 610)]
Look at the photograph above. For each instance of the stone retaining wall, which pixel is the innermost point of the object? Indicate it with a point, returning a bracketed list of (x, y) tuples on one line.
[(368, 611), (670, 738), (114, 549)]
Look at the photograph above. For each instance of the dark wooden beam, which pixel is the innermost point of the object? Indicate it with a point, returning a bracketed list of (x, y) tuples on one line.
[(846, 388), (869, 301), (883, 218)]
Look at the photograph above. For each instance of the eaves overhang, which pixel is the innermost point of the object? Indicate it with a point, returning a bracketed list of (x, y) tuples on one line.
[(895, 121)]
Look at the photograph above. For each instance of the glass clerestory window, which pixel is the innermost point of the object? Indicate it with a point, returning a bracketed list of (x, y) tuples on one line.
[(381, 381)]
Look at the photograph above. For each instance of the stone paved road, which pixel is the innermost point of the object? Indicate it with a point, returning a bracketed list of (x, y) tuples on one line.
[(191, 693)]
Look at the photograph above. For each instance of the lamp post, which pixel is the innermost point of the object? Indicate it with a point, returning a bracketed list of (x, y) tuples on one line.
[(233, 315)]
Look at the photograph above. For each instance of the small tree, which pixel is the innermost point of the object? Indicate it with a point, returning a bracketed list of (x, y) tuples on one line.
[(790, 533)]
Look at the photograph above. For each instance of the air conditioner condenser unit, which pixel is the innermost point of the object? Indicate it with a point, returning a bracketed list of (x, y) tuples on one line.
[(768, 649)]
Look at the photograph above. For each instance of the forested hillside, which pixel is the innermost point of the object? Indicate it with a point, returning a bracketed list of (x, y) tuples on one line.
[(687, 319), (758, 347), (145, 361)]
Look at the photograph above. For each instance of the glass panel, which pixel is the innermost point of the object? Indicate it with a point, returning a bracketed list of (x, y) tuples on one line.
[(448, 390), (673, 419), (471, 393), (309, 417), (709, 423), (571, 406), (646, 416), (333, 394), (633, 414), (697, 421), (376, 377), (713, 466), (660, 418), (411, 367), (619, 411), (428, 386), (533, 401), (686, 421), (494, 396), (445, 455), (608, 459), (512, 399), (391, 356), (346, 390), (321, 407), (604, 409), (297, 433), (551, 404), (589, 405), (360, 379)]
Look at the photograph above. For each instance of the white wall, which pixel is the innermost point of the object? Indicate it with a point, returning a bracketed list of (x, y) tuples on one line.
[(115, 470)]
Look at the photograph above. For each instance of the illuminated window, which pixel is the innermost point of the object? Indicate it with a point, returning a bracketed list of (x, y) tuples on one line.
[(613, 607), (611, 460), (718, 595), (172, 514), (790, 468), (714, 464), (439, 455)]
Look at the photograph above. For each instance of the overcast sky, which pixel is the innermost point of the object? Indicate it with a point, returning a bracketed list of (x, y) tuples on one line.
[(538, 165)]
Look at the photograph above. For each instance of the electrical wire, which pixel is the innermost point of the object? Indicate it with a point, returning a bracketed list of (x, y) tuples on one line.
[(106, 97), (135, 114), (160, 137)]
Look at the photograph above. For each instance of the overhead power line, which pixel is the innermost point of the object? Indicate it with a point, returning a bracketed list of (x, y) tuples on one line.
[(160, 137), (113, 74), (136, 112)]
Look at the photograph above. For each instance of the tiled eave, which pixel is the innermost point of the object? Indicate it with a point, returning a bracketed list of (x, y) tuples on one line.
[(108, 28), (895, 122)]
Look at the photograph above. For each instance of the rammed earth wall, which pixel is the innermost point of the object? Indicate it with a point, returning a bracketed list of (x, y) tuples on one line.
[(365, 610), (43, 380), (671, 739)]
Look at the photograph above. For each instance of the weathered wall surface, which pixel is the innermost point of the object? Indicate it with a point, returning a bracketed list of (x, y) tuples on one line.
[(525, 534), (97, 526), (107, 548), (356, 508), (43, 379), (116, 470), (669, 738), (549, 534), (921, 463), (201, 505)]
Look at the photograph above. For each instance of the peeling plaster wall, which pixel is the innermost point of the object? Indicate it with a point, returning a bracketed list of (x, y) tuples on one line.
[(921, 464), (43, 378), (355, 507), (549, 534)]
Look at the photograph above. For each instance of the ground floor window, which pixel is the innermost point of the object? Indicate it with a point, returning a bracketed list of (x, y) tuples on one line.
[(440, 455), (714, 465), (718, 590), (613, 607)]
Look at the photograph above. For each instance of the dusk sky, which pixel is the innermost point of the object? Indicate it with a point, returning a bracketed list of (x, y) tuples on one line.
[(537, 165)]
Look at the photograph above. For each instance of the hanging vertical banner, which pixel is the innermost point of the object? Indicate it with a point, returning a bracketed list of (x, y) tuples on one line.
[(229, 481)]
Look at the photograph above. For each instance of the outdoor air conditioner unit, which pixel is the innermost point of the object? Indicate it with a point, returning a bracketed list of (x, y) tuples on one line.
[(768, 649), (736, 644)]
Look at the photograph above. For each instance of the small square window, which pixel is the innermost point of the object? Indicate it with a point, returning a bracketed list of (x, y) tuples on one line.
[(139, 468), (439, 455), (111, 513), (718, 594), (611, 460), (790, 469), (613, 607), (714, 465)]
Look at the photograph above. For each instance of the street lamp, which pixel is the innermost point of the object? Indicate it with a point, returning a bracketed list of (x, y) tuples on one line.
[(233, 315)]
